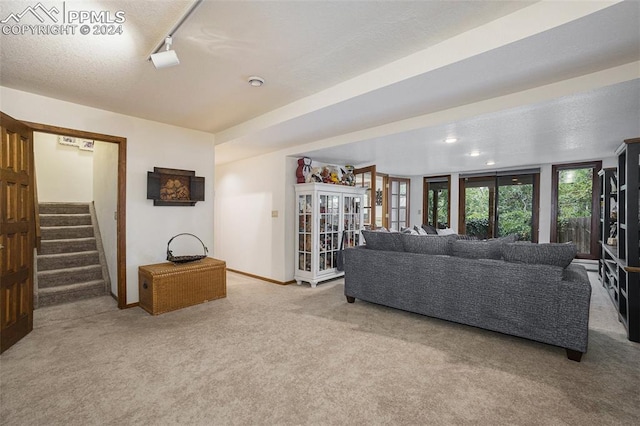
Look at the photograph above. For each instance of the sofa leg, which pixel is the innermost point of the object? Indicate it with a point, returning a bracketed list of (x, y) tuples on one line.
[(351, 299), (574, 355)]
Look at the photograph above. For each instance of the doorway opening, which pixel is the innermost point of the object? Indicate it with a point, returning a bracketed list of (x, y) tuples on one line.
[(575, 206), (120, 212)]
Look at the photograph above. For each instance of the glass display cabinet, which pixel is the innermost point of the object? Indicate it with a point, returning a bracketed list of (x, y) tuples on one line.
[(324, 212)]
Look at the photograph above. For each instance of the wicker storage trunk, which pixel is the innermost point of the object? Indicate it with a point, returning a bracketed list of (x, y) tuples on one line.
[(166, 286)]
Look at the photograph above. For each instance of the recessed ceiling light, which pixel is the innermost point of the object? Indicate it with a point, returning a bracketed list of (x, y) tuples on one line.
[(490, 163), (256, 81), (474, 153), (451, 140)]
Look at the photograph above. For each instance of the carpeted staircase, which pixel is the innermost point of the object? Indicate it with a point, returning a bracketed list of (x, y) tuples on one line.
[(68, 265)]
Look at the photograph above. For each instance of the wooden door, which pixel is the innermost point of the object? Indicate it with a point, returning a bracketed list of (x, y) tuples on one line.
[(366, 178), (16, 231)]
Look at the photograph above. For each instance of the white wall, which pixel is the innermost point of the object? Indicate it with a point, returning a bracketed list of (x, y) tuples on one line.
[(415, 201), (105, 197), (64, 172), (248, 194), (149, 144)]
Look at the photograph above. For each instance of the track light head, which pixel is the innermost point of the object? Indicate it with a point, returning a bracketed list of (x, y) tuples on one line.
[(165, 59)]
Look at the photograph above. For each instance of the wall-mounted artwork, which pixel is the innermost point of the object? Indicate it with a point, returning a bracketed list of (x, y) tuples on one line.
[(67, 140), (85, 144), (174, 187)]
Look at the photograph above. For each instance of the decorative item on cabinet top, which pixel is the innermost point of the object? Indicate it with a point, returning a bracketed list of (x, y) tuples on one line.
[(327, 173), (174, 187)]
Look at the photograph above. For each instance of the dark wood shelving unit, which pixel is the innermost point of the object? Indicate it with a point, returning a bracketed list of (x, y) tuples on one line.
[(619, 265)]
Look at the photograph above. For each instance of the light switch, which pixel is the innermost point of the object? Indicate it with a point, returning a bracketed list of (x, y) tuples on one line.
[(274, 213)]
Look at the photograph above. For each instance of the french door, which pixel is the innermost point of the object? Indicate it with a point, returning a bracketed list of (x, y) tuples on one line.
[(436, 198), (398, 203), (499, 205), (366, 178), (575, 206)]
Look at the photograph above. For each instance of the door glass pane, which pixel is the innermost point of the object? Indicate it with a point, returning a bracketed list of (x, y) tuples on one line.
[(366, 200), (477, 208), (438, 204), (575, 191), (515, 206)]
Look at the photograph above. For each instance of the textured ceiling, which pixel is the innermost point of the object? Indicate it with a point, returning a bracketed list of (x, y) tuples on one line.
[(300, 48), (331, 67)]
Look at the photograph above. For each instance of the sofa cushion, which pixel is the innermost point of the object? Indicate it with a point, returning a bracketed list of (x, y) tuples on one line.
[(471, 249), (486, 249), (388, 241), (557, 254), (467, 237), (427, 244)]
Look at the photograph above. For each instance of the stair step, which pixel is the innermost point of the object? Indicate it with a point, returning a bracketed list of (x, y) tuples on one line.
[(62, 277), (64, 232), (70, 293), (68, 246), (63, 208), (64, 219), (50, 262)]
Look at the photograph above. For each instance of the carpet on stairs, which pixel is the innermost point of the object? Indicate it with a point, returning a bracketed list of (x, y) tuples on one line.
[(68, 263)]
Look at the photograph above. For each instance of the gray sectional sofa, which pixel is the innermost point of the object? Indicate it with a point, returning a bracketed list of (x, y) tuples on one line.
[(522, 289)]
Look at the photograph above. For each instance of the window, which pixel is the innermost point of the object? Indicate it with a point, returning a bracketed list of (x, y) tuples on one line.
[(575, 207), (437, 198), (500, 204)]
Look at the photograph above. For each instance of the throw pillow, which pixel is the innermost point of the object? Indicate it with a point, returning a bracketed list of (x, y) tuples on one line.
[(427, 244), (429, 229), (408, 230), (420, 230), (388, 241), (557, 254), (446, 231)]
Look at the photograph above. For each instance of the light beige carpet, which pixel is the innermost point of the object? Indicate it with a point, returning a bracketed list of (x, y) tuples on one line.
[(269, 354)]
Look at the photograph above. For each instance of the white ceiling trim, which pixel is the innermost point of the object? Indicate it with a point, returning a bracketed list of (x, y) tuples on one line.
[(534, 19)]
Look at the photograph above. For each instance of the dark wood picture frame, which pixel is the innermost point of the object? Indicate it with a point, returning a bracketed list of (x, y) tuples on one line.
[(159, 174)]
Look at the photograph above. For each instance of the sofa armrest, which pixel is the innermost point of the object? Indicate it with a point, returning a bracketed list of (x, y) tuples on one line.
[(575, 298)]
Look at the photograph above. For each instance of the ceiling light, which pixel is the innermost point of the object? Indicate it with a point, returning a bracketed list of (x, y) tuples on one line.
[(451, 140), (490, 163), (165, 59), (474, 153), (256, 81)]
